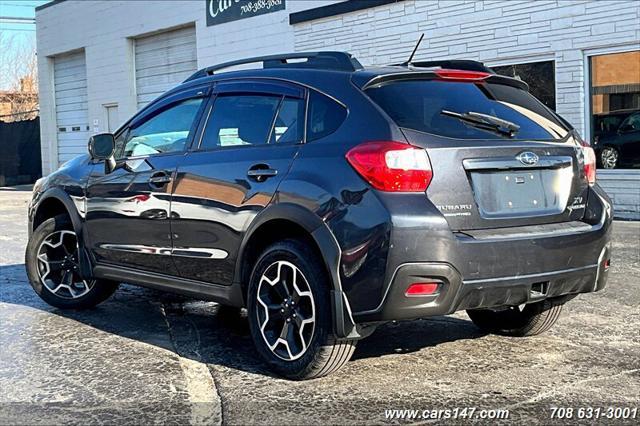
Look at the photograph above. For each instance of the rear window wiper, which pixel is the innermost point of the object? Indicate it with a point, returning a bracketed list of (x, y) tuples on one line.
[(485, 121)]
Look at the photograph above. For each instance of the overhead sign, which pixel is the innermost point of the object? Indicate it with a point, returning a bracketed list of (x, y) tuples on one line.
[(220, 11)]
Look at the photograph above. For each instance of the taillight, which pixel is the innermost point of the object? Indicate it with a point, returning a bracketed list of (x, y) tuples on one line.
[(461, 75), (589, 164), (392, 166), (141, 198)]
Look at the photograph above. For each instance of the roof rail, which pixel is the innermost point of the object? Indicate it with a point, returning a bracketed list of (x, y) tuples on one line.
[(456, 64), (327, 60)]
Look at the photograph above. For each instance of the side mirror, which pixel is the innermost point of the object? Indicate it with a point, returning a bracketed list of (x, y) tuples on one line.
[(102, 147)]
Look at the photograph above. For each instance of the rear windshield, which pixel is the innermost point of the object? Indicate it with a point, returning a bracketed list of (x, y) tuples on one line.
[(419, 105)]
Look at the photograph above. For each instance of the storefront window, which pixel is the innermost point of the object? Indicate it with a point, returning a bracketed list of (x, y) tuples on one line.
[(539, 75), (615, 109)]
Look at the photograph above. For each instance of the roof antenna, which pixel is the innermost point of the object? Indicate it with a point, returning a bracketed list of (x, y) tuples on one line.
[(415, 49)]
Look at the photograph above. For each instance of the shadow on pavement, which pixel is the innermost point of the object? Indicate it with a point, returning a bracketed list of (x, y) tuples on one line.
[(214, 334), (25, 187)]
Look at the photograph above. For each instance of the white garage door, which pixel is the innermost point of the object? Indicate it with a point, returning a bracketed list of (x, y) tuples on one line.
[(163, 61), (72, 118)]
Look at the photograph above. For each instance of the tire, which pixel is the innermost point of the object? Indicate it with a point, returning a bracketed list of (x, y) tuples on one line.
[(311, 349), (50, 260), (533, 319), (609, 157)]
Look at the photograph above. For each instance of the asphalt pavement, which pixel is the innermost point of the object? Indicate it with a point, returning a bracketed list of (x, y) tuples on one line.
[(149, 357)]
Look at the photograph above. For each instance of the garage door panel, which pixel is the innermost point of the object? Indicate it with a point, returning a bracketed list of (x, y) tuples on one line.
[(71, 106), (153, 61), (153, 44), (72, 96), (72, 137), (184, 43), (70, 117), (71, 93), (76, 79), (155, 49), (76, 76), (65, 71), (66, 157), (73, 60), (155, 83), (156, 89), (70, 86), (78, 146), (163, 61), (168, 64), (69, 124), (77, 87), (77, 139), (172, 72), (145, 99), (166, 38)]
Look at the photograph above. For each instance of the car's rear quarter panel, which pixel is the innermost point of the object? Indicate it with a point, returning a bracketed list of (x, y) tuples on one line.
[(322, 181)]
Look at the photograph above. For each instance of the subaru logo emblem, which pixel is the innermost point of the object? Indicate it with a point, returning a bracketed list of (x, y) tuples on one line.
[(527, 158)]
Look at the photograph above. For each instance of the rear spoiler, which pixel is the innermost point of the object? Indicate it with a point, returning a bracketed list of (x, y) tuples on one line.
[(383, 79)]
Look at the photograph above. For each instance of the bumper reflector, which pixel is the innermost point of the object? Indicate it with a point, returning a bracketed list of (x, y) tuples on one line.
[(422, 289)]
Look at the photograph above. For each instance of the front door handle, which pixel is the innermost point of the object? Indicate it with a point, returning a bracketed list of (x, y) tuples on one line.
[(261, 172), (159, 179)]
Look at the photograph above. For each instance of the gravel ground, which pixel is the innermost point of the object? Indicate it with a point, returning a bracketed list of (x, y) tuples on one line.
[(149, 357)]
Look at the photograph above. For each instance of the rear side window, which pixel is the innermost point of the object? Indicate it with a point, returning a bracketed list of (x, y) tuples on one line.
[(240, 120), (289, 126), (419, 105), (325, 116)]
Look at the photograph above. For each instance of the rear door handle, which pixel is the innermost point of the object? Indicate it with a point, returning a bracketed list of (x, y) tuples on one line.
[(159, 179), (261, 172)]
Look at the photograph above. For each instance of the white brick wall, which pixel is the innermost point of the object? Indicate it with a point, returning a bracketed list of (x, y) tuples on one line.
[(623, 187)]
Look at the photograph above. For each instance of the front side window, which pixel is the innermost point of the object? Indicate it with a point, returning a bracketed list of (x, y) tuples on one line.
[(165, 132)]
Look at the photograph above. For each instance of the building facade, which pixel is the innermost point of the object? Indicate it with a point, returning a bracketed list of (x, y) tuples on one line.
[(100, 61), (20, 104)]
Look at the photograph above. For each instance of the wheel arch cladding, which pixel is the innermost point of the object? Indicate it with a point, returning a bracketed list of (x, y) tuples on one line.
[(53, 203), (283, 221), (278, 222)]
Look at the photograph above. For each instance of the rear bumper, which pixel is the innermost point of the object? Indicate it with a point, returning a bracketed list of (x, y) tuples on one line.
[(455, 294), (498, 268)]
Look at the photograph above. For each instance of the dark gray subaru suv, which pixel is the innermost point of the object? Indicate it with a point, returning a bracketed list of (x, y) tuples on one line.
[(328, 198)]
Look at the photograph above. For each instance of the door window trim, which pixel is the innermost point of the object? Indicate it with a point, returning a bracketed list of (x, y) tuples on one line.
[(155, 108), (235, 87)]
